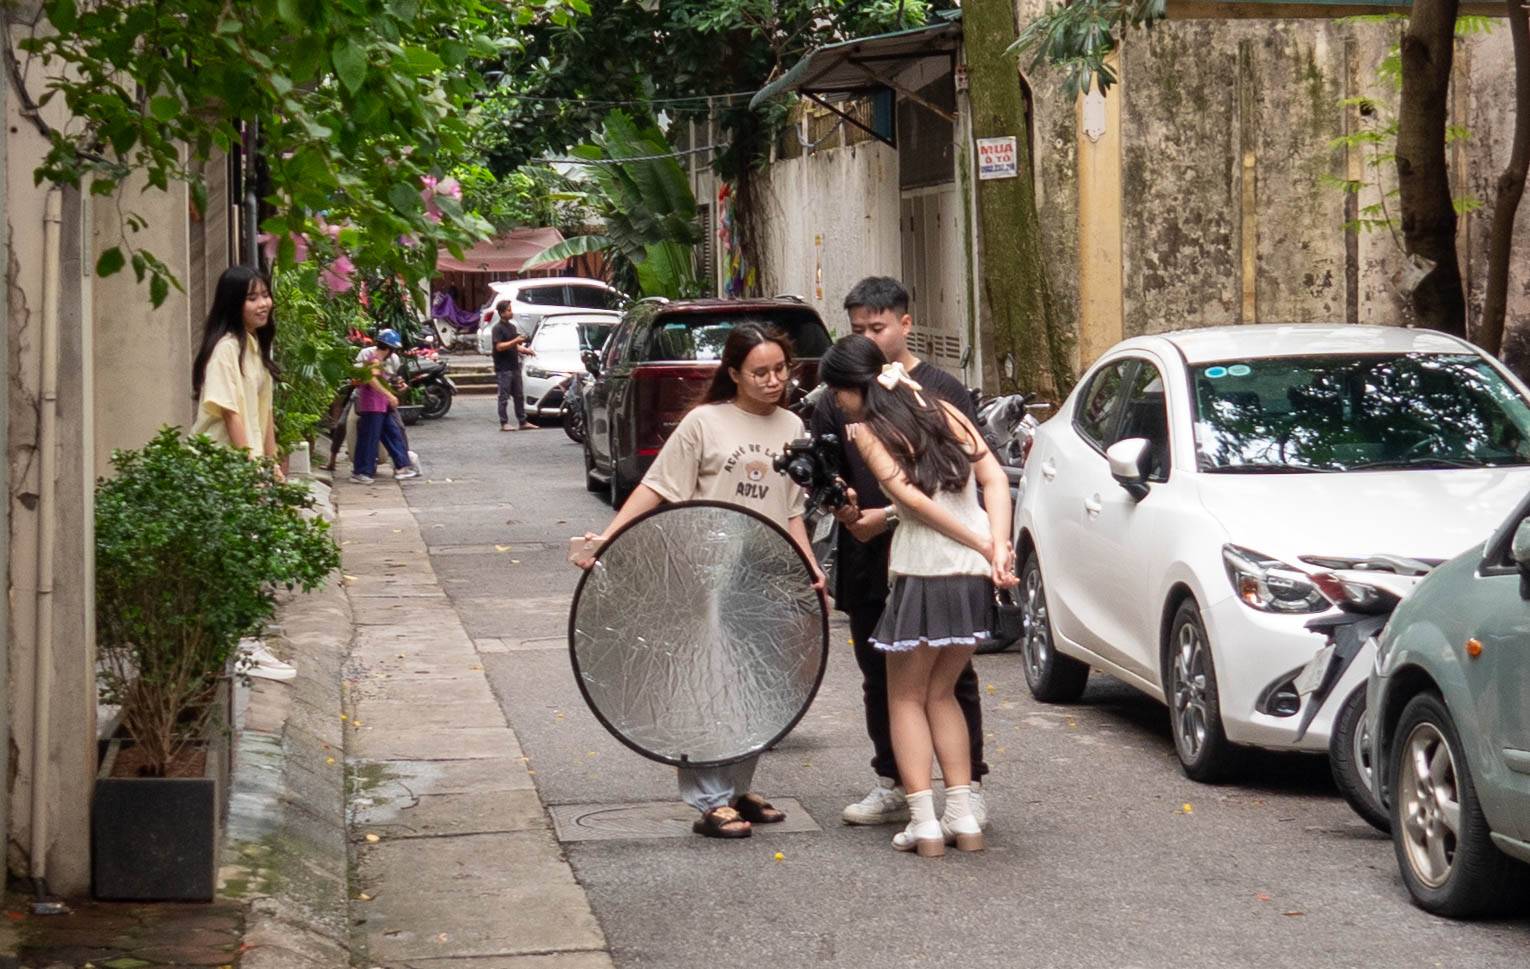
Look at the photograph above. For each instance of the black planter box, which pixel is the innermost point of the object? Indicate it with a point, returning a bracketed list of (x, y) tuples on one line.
[(158, 838)]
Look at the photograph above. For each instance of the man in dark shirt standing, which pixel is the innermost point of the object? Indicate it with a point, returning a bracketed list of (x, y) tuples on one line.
[(878, 308), (509, 347)]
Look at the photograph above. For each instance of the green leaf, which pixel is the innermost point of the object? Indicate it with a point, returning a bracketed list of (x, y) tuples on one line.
[(164, 107), (420, 61), (110, 263), (159, 288), (350, 61), (63, 15), (290, 13)]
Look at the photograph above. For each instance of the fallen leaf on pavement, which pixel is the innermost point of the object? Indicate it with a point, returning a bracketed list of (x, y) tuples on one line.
[(1294, 914), (329, 760), (780, 856), (372, 838), (1262, 897), (501, 548), (363, 897), (1186, 808)]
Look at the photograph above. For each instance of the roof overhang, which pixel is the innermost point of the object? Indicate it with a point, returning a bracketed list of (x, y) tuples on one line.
[(866, 65)]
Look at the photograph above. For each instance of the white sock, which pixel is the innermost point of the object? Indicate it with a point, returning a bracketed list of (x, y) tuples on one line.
[(958, 801), (921, 806)]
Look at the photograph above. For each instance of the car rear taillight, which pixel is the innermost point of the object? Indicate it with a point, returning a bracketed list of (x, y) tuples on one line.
[(662, 394)]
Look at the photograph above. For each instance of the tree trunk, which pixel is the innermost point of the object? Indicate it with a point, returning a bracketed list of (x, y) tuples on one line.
[(1016, 312), (1511, 186), (1423, 180)]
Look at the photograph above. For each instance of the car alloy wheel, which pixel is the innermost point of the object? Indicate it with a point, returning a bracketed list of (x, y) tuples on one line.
[(1444, 847), (1194, 705), (1051, 676), (1431, 804), (1190, 708)]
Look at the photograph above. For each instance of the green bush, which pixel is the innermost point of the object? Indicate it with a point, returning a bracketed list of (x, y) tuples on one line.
[(192, 541)]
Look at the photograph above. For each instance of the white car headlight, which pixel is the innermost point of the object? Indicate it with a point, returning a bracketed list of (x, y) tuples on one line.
[(1270, 585)]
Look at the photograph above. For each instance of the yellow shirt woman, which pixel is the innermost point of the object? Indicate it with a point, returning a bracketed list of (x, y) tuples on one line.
[(245, 391)]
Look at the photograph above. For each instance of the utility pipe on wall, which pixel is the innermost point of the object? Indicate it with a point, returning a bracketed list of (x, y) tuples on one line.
[(47, 449)]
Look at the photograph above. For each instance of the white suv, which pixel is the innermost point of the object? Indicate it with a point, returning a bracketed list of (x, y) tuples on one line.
[(533, 299)]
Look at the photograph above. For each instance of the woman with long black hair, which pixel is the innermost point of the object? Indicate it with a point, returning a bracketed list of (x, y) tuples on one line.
[(947, 554), (724, 450), (234, 374)]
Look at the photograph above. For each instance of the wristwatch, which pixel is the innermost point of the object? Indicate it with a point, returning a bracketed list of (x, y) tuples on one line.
[(892, 516)]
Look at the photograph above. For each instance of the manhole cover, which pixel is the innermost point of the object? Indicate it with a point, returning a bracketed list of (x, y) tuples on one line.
[(662, 819)]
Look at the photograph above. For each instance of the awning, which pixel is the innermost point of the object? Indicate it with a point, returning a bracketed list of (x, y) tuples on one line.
[(855, 68), (506, 254)]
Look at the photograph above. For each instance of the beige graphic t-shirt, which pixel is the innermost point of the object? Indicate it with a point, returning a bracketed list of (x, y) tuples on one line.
[(721, 452)]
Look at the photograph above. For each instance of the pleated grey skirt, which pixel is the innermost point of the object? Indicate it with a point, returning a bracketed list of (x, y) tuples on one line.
[(946, 610)]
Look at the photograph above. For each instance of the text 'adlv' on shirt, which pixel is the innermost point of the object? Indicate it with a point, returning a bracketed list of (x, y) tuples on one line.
[(721, 452), (244, 390)]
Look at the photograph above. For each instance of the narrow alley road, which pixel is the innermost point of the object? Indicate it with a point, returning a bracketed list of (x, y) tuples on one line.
[(1102, 853)]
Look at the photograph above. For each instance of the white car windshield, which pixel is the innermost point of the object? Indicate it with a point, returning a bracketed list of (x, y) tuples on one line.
[(1357, 413)]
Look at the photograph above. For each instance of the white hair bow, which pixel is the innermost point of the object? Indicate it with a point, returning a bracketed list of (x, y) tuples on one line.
[(893, 374)]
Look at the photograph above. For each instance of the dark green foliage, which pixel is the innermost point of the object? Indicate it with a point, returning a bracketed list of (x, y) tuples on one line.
[(192, 541), (312, 350), (1077, 37)]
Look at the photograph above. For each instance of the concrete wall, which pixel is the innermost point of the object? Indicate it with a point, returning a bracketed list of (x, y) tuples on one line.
[(831, 218), (142, 354), (124, 370), (1228, 128)]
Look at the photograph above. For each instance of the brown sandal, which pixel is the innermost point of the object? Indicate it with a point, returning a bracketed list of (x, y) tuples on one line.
[(757, 810), (722, 822)]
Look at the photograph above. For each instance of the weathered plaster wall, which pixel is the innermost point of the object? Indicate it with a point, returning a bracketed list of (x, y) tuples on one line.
[(1229, 128), (850, 197)]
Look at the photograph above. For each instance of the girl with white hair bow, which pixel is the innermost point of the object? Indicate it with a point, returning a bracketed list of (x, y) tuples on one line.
[(947, 555)]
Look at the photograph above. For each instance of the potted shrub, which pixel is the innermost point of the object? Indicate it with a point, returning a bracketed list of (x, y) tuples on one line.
[(193, 540)]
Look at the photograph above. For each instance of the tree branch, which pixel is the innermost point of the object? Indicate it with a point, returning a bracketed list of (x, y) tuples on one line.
[(1510, 188)]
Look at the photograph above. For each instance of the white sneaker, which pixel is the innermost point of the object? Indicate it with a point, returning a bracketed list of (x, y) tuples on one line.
[(885, 804), (403, 473), (361, 479), (256, 660)]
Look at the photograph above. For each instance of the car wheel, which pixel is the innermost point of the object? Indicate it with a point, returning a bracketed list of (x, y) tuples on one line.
[(1195, 712), (573, 422), (1349, 757), (1447, 859), (1051, 676), (592, 484)]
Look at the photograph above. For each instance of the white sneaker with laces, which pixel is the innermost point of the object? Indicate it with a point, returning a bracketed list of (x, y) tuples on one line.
[(256, 660), (361, 479), (405, 473), (885, 804)]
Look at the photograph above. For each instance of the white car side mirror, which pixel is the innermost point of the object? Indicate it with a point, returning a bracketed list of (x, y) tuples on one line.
[(1127, 461)]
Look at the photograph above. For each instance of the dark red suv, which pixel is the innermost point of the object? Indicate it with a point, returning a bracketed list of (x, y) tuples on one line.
[(657, 366)]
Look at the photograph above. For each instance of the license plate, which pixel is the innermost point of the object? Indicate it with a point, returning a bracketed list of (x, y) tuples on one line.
[(1312, 676)]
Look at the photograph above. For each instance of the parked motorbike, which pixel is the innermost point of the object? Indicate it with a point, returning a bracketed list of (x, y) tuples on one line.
[(1366, 592), (436, 388), (454, 325), (1008, 424)]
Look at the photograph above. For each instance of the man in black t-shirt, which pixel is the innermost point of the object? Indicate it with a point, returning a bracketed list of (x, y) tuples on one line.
[(509, 347), (878, 308)]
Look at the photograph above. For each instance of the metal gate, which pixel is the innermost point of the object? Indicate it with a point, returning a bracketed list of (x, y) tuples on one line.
[(934, 258)]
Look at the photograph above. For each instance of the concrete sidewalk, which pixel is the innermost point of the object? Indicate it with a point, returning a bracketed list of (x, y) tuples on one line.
[(455, 861)]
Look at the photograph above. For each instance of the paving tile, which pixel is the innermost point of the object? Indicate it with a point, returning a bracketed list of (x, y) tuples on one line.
[(397, 778), (443, 814), (408, 743), (556, 960)]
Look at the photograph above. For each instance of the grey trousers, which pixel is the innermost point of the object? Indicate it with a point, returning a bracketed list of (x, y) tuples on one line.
[(511, 388), (705, 788)]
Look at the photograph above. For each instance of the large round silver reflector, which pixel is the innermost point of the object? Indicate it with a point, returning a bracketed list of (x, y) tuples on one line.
[(698, 638)]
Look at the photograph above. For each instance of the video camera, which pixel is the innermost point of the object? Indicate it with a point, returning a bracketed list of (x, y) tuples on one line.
[(813, 462)]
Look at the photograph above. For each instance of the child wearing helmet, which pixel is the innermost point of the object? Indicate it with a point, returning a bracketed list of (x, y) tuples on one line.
[(374, 399)]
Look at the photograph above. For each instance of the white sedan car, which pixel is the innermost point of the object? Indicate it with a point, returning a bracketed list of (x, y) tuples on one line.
[(1173, 511), (559, 343)]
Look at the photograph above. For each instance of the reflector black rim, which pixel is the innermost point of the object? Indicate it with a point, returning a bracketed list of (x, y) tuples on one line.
[(628, 742)]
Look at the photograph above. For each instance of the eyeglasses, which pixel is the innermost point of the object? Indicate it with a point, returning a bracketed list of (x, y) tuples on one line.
[(762, 375)]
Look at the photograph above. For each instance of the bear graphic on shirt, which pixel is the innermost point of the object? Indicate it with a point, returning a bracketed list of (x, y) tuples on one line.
[(754, 486)]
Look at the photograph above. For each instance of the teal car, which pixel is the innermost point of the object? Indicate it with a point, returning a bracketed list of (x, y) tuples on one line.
[(1450, 729)]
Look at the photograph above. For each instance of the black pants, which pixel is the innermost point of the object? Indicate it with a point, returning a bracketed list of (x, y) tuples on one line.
[(511, 388), (873, 663)]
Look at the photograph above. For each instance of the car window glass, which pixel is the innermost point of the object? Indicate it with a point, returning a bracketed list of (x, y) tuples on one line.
[(589, 298), (1097, 407), (701, 336), (1349, 413), (616, 346), (558, 338), (1146, 416), (542, 296)]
